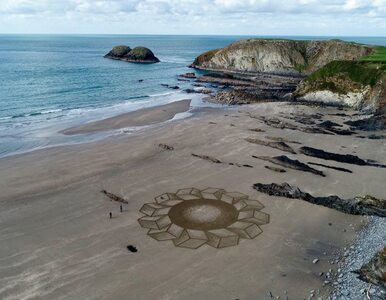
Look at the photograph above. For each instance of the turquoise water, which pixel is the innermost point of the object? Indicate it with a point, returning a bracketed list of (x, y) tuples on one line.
[(49, 82)]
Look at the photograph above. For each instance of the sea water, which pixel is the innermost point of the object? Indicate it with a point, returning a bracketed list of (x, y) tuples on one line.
[(52, 82)]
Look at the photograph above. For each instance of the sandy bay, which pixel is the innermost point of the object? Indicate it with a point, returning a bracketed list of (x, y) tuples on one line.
[(58, 241)]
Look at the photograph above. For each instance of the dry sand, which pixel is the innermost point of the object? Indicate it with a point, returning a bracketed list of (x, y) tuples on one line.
[(142, 117), (57, 241)]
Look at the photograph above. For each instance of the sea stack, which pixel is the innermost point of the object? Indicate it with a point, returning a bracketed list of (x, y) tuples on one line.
[(137, 55)]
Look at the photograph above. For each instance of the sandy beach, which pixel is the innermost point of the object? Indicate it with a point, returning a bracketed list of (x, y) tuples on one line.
[(141, 117), (58, 242)]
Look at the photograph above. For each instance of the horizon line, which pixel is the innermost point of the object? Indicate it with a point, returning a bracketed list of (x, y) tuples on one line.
[(182, 34)]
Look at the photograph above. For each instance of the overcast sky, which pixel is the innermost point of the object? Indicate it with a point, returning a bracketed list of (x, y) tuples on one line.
[(249, 17)]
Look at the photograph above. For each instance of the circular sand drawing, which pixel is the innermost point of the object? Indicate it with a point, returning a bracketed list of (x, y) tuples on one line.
[(192, 217)]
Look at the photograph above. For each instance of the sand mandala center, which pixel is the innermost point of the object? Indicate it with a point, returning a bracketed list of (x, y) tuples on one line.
[(192, 217), (203, 214)]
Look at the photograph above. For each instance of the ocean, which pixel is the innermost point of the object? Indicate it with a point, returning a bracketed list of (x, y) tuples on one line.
[(52, 82)]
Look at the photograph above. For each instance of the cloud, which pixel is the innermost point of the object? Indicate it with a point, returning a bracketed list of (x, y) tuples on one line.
[(193, 7), (202, 14)]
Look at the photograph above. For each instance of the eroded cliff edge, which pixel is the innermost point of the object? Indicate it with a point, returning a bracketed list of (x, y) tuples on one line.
[(279, 56)]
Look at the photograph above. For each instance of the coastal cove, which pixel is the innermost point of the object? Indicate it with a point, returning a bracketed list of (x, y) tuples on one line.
[(192, 167), (68, 83), (50, 205)]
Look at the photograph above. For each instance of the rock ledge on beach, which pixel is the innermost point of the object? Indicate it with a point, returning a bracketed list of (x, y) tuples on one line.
[(137, 55)]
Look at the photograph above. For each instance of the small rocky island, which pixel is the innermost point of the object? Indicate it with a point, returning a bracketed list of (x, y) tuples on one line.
[(136, 55)]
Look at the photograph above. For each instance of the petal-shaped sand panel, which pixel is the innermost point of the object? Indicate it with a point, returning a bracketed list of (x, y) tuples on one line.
[(221, 238), (212, 193), (191, 239)]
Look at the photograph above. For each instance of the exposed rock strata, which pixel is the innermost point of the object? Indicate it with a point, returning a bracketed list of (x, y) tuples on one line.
[(278, 56), (366, 205), (244, 89)]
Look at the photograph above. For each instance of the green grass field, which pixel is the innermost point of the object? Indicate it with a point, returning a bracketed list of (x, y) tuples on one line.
[(378, 56)]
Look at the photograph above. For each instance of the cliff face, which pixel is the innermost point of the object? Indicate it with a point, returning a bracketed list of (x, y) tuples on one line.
[(279, 56), (361, 85)]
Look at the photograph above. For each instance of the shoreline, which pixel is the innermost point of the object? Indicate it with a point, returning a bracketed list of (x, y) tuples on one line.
[(63, 204), (141, 117), (102, 125)]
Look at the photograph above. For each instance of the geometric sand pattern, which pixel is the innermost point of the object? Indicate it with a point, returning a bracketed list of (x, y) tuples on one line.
[(191, 218)]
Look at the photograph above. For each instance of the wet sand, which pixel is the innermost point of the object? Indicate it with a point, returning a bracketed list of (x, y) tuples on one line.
[(142, 117), (57, 241)]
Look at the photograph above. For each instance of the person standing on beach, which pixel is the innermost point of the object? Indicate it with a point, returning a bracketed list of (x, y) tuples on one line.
[(121, 208), (111, 215)]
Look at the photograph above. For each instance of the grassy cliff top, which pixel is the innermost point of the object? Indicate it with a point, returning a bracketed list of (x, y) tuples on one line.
[(362, 72), (379, 55)]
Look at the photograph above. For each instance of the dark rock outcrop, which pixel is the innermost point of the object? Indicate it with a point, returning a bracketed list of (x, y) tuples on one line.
[(285, 161), (331, 167), (208, 158), (244, 89), (280, 139), (277, 170), (166, 147), (277, 123), (366, 205), (136, 55), (343, 158), (376, 122), (189, 75), (375, 270), (114, 197), (277, 145)]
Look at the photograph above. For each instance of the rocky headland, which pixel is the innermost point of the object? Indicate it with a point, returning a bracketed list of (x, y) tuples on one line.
[(279, 56), (330, 72), (135, 55)]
